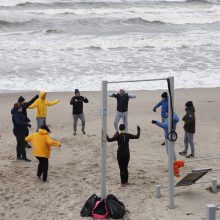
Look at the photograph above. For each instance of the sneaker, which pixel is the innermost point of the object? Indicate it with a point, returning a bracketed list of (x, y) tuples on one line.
[(19, 158), (163, 144), (190, 156), (183, 153), (26, 160), (74, 133), (83, 132)]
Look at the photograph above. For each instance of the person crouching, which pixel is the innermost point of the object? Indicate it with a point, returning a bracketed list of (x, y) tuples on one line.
[(42, 142)]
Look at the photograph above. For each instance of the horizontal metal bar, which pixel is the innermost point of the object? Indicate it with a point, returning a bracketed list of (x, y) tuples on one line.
[(140, 80)]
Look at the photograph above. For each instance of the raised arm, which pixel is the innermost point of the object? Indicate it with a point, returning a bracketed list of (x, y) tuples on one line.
[(114, 138), (85, 100), (27, 104), (137, 136), (34, 105), (72, 100)]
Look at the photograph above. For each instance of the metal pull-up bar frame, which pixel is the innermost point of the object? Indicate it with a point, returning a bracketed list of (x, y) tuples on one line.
[(104, 134)]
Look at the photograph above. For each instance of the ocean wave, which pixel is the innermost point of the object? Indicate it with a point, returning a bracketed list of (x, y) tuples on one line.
[(14, 23), (142, 21)]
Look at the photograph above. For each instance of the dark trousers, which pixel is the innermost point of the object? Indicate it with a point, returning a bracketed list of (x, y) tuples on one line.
[(42, 167), (20, 145), (123, 160)]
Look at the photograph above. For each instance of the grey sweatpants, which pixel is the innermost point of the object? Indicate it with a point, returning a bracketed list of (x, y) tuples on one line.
[(166, 144), (40, 121), (188, 139), (118, 116), (75, 120)]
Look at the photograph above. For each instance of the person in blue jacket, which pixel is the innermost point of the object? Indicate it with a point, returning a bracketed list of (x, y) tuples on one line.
[(164, 107), (165, 126), (20, 130)]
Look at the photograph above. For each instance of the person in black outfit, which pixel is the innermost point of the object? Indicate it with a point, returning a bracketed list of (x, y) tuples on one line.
[(77, 103), (19, 130), (24, 105), (123, 153), (122, 108)]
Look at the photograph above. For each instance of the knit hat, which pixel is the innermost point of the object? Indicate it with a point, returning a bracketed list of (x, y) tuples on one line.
[(121, 127), (189, 104), (164, 95), (76, 91), (21, 99)]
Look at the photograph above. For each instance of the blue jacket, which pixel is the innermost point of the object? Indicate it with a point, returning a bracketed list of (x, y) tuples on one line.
[(164, 107), (19, 122), (165, 125)]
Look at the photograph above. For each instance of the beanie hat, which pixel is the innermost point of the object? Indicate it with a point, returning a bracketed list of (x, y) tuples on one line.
[(21, 99), (121, 127), (164, 95), (76, 91), (189, 104)]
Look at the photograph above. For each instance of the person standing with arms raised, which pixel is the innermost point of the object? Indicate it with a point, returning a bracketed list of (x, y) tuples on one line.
[(41, 104), (77, 103), (122, 108)]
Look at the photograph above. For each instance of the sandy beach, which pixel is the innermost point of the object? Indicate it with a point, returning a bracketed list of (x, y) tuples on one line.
[(74, 169)]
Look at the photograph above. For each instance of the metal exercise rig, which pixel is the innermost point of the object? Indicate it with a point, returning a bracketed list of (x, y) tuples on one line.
[(170, 81)]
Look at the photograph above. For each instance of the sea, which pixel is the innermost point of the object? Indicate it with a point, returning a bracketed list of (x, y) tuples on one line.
[(61, 45)]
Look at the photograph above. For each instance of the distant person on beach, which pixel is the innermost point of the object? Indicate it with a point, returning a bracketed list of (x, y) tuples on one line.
[(77, 103), (20, 130), (123, 153), (41, 104), (122, 108), (24, 105), (164, 108), (42, 143), (165, 126), (189, 128)]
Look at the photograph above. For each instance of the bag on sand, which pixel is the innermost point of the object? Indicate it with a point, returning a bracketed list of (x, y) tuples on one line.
[(100, 211), (116, 209), (89, 205)]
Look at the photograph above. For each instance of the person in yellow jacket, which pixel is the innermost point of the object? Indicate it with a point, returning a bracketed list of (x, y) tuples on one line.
[(42, 142), (41, 104)]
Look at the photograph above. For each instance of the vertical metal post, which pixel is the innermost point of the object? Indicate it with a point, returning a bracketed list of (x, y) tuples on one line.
[(171, 151), (214, 185), (104, 143), (210, 212)]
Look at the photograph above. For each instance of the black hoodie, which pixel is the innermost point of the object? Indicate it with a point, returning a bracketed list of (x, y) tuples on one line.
[(190, 120)]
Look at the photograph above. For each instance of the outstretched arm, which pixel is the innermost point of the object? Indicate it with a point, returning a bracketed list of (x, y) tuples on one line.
[(113, 95), (52, 142), (27, 104), (52, 102), (132, 96), (34, 105), (114, 138), (28, 138)]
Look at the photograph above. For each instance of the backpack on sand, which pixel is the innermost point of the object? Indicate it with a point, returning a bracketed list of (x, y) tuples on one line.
[(89, 205), (100, 211), (116, 209)]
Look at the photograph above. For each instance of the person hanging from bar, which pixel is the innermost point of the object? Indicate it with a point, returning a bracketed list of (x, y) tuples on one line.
[(165, 126), (122, 108), (164, 108), (123, 152), (41, 104), (189, 128)]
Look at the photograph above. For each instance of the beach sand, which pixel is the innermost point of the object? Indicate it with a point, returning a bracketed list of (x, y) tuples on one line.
[(74, 169)]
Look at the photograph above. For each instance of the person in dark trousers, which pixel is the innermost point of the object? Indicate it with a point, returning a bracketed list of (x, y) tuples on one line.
[(123, 153), (24, 105), (77, 103), (122, 108), (189, 128), (19, 130), (164, 108), (42, 143), (165, 126)]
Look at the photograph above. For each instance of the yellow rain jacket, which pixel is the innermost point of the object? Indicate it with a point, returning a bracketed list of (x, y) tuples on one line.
[(42, 143), (41, 105)]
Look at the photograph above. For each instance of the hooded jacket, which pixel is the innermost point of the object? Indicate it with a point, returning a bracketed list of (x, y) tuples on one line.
[(165, 125), (164, 107), (41, 105), (19, 122), (41, 142), (189, 120), (77, 103)]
